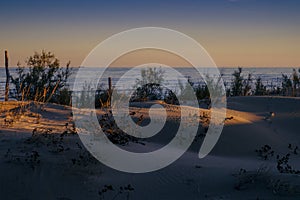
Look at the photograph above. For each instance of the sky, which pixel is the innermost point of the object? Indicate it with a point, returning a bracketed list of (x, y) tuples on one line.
[(246, 33)]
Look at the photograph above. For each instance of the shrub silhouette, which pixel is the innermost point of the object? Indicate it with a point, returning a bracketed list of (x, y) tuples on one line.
[(43, 80), (260, 88), (237, 84), (286, 85), (296, 81), (148, 87)]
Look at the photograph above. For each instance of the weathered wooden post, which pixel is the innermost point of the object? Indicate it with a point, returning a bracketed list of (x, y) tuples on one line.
[(7, 76), (109, 91)]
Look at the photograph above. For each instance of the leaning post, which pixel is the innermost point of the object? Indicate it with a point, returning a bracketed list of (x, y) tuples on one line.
[(109, 91), (7, 76)]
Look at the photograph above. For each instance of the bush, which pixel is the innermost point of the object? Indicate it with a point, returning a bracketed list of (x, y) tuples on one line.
[(149, 86), (260, 89), (296, 81), (286, 85), (237, 83), (64, 97), (44, 79)]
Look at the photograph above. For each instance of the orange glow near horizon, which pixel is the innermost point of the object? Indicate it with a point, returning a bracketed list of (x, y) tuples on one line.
[(227, 52)]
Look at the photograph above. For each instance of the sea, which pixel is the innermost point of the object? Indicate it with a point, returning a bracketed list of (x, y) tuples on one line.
[(271, 77)]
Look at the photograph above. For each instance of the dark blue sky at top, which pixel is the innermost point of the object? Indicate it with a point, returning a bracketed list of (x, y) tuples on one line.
[(154, 11)]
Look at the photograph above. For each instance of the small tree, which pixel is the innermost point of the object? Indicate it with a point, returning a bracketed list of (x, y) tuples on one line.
[(186, 90), (286, 85), (296, 81), (237, 83), (43, 80), (260, 88), (247, 85)]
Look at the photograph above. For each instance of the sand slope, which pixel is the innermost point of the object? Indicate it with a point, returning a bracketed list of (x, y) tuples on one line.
[(64, 170)]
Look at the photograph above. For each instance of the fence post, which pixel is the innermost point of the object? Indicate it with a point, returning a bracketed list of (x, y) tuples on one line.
[(109, 91), (7, 76)]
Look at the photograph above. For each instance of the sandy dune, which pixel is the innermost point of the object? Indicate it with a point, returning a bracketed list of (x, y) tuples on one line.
[(52, 165)]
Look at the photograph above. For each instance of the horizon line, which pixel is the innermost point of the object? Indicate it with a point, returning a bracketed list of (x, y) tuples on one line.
[(292, 67)]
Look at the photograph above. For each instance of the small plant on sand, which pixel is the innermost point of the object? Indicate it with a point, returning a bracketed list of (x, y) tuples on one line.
[(284, 188), (8, 121), (113, 132), (265, 152), (283, 165), (293, 149), (69, 129), (262, 178), (31, 159), (123, 192), (46, 137), (247, 178), (83, 158)]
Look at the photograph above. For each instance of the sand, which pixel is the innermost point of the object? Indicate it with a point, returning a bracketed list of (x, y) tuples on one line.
[(39, 162)]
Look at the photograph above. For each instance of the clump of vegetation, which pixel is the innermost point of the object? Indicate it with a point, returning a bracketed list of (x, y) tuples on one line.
[(281, 187), (265, 152), (22, 109), (240, 86), (293, 149), (246, 178), (263, 178), (100, 94), (290, 85), (84, 159), (31, 159), (260, 88), (283, 165), (148, 87), (44, 79), (69, 129), (46, 137), (124, 191), (43, 136), (113, 132), (286, 85), (296, 81), (237, 83)]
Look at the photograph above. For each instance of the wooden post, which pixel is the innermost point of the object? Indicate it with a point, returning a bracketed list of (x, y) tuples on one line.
[(109, 90), (7, 77)]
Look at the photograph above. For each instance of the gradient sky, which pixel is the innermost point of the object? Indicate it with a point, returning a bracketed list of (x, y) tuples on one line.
[(260, 33)]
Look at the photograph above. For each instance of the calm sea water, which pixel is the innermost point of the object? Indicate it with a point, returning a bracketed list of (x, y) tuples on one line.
[(271, 77)]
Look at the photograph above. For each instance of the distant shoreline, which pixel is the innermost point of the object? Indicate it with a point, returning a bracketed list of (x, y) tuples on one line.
[(226, 67)]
